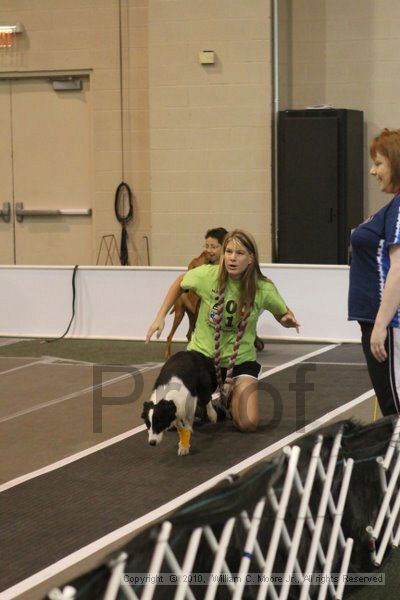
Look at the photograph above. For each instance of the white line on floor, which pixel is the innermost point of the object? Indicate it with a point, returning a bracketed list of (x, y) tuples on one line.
[(11, 341), (31, 364), (62, 362), (72, 395), (339, 364), (295, 361), (158, 513), (70, 459), (70, 361)]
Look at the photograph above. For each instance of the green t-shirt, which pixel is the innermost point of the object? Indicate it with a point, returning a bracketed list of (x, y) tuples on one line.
[(204, 281)]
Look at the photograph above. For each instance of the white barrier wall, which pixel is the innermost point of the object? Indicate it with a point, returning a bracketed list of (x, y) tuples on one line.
[(121, 302)]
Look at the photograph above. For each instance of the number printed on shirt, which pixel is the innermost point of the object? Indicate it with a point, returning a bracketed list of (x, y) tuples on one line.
[(230, 308)]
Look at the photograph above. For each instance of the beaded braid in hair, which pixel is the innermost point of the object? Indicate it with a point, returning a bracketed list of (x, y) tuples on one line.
[(225, 388)]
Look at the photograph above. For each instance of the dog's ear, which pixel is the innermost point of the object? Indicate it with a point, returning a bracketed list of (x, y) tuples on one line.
[(146, 407), (168, 408)]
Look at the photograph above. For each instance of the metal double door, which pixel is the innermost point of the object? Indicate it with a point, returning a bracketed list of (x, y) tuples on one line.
[(45, 173)]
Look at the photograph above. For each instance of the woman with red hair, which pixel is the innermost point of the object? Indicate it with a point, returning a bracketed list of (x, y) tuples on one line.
[(374, 294)]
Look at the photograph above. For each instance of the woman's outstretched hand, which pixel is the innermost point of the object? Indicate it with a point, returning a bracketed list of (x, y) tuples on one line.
[(156, 326), (289, 320)]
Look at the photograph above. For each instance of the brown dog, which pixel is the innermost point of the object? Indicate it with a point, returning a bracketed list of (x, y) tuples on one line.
[(187, 303)]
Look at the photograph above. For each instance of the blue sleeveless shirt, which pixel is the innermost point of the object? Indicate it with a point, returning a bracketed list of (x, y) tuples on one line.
[(370, 262)]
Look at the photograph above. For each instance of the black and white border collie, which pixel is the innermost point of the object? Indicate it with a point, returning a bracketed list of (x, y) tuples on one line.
[(184, 380)]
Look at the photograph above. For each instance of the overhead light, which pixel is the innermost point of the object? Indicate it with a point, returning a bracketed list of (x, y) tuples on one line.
[(7, 31), (12, 27)]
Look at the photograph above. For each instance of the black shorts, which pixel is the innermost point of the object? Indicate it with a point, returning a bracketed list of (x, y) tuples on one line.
[(251, 368)]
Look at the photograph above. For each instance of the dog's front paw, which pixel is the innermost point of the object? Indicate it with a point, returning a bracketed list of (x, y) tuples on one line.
[(183, 450)]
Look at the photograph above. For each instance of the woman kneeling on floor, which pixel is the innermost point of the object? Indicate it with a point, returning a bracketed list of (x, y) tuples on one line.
[(233, 295)]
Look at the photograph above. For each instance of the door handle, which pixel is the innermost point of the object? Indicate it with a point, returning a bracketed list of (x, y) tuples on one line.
[(5, 213), (22, 212)]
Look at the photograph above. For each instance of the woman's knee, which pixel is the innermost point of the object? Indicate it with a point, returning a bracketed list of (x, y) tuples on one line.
[(246, 425), (245, 413)]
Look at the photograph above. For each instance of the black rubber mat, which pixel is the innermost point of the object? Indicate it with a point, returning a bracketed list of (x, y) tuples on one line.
[(57, 513), (346, 353), (96, 351)]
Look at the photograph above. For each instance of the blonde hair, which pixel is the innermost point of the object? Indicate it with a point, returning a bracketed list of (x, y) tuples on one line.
[(250, 277), (387, 143)]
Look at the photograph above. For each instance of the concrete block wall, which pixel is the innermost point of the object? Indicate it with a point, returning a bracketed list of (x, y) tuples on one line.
[(210, 126)]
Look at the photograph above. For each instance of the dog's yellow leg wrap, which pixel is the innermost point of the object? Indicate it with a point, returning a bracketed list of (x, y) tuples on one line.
[(184, 437)]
